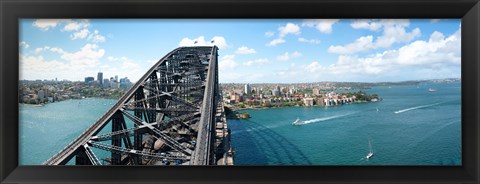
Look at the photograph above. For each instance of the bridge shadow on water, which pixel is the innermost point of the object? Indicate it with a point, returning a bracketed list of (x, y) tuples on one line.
[(272, 148)]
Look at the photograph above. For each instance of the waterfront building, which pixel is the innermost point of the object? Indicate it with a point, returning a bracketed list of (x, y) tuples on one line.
[(235, 98), (327, 101), (100, 78), (308, 101), (316, 92), (320, 101)]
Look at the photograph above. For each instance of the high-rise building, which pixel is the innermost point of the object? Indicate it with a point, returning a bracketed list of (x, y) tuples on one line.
[(248, 89), (89, 80), (106, 83), (113, 83), (100, 78), (116, 78), (125, 83)]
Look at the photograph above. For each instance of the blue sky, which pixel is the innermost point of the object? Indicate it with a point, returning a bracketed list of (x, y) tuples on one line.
[(251, 51)]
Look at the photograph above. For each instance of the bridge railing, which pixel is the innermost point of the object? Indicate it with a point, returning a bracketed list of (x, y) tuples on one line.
[(202, 150)]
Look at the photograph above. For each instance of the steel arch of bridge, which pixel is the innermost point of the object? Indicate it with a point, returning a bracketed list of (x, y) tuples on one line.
[(173, 108)]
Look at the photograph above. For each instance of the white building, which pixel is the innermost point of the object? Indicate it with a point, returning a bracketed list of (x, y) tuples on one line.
[(248, 89), (308, 101), (276, 92)]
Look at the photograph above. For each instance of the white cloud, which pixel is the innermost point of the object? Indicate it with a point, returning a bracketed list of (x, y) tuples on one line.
[(438, 57), (24, 45), (82, 34), (371, 25), (257, 61), (219, 41), (276, 42), (78, 27), (125, 67), (289, 28), (434, 20), (73, 65), (72, 25), (46, 24), (269, 34), (296, 54), (89, 54), (40, 49), (287, 56), (312, 41), (96, 37), (38, 68), (245, 50), (227, 62), (361, 44), (78, 64), (396, 34), (322, 25), (393, 32), (57, 50)]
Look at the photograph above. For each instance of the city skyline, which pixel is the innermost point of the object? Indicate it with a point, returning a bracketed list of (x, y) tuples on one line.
[(251, 51)]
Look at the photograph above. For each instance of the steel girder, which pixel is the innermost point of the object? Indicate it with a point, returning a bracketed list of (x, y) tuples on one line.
[(168, 106)]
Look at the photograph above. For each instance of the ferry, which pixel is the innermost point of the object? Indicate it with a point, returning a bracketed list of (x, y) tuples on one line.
[(297, 122)]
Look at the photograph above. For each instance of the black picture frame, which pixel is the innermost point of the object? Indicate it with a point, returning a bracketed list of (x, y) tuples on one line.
[(13, 10)]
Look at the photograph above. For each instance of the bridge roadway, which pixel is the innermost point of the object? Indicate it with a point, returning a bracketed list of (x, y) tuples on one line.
[(67, 153)]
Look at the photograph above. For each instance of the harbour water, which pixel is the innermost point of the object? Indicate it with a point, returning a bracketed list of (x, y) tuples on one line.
[(426, 130), (411, 127), (43, 131)]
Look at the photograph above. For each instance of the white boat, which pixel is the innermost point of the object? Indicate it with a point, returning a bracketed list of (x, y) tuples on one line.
[(370, 153), (297, 122), (431, 90)]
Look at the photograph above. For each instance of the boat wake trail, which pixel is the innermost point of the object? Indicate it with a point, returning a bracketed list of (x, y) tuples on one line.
[(417, 107), (323, 119)]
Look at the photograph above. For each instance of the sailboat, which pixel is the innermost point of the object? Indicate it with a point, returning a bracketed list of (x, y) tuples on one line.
[(370, 153)]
